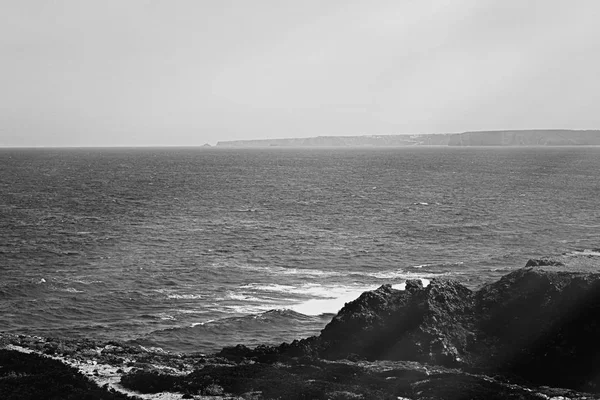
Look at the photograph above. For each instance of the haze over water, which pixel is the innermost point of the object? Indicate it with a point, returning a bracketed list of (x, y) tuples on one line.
[(191, 249)]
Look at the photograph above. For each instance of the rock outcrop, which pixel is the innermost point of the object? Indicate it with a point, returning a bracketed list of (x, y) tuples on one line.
[(542, 325), (429, 324), (32, 376), (539, 324)]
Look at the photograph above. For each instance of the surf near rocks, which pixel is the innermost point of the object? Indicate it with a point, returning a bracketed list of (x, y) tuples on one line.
[(538, 324), (535, 326)]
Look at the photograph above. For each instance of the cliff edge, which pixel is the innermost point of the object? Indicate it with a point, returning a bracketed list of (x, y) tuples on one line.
[(513, 138)]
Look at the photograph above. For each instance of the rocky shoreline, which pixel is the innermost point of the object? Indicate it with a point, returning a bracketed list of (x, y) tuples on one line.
[(530, 335)]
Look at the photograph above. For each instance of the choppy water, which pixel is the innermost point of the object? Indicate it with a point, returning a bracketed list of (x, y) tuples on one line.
[(191, 249)]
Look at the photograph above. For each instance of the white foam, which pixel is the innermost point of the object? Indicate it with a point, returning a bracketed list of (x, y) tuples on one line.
[(246, 309), (244, 297), (273, 287), (401, 274), (326, 306), (290, 271), (183, 311), (329, 291), (186, 296), (71, 290), (585, 252), (338, 296), (202, 323), (83, 281)]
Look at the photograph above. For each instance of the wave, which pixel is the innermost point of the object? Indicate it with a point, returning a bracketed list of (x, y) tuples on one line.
[(36, 287), (186, 296), (270, 327), (290, 271), (159, 316), (69, 290), (430, 270), (317, 299), (307, 290), (388, 274), (243, 297), (595, 252), (402, 274)]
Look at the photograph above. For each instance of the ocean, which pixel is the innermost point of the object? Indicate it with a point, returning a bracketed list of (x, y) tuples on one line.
[(192, 249)]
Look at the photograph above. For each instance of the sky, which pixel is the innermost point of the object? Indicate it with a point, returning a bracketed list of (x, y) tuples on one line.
[(189, 72)]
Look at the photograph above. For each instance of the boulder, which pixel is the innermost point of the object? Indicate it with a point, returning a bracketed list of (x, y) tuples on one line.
[(418, 324), (542, 325), (541, 262)]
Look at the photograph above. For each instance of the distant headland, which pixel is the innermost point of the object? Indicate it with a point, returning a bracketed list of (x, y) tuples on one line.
[(541, 137)]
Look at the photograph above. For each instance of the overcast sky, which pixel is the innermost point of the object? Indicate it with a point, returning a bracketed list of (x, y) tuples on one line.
[(179, 72)]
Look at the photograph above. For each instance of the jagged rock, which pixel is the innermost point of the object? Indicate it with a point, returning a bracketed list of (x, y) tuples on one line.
[(413, 284), (536, 323), (421, 324), (543, 262), (543, 325)]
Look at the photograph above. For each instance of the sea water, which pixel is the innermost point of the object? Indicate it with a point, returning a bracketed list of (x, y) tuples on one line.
[(194, 249)]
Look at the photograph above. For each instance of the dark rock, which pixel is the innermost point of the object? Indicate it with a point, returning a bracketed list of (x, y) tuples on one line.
[(150, 381), (236, 353), (31, 376), (543, 262), (429, 324), (413, 284), (318, 379), (457, 386), (543, 326), (536, 324)]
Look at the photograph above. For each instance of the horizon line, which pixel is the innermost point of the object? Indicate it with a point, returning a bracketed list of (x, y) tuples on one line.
[(208, 145)]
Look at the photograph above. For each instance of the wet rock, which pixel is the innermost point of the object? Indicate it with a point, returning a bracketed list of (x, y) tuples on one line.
[(413, 284), (431, 324), (152, 381), (543, 262), (31, 376), (319, 379), (543, 326), (538, 324)]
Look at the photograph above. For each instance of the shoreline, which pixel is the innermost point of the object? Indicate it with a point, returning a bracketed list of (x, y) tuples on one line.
[(111, 363), (370, 349)]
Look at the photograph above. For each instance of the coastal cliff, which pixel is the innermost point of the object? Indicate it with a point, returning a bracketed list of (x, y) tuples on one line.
[(530, 335), (526, 138), (512, 138)]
